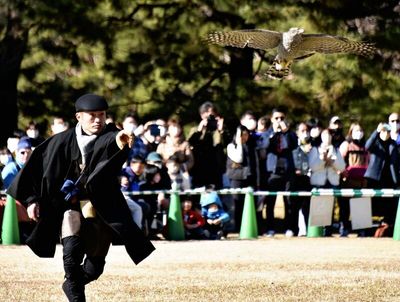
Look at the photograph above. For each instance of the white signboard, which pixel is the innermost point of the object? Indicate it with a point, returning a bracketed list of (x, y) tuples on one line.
[(361, 213), (321, 210)]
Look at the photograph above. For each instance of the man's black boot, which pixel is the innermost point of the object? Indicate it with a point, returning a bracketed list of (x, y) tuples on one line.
[(75, 291)]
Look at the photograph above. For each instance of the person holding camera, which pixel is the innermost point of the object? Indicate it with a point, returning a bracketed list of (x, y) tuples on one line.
[(383, 172), (238, 169), (175, 144), (300, 180), (207, 145), (279, 163), (70, 187)]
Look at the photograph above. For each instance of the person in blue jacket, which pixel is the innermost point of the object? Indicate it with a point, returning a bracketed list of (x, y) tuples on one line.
[(214, 215), (383, 172)]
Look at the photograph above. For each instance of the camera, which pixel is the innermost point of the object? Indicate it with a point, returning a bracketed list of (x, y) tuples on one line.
[(154, 130), (211, 123)]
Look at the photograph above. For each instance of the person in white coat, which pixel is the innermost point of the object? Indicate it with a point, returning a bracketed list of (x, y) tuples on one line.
[(326, 164)]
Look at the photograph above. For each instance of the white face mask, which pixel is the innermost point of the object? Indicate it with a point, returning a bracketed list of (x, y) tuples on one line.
[(12, 144), (250, 124), (315, 132), (57, 128), (303, 136), (357, 135), (173, 131), (130, 127), (32, 133)]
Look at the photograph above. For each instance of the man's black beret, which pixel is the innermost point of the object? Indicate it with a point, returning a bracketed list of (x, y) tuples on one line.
[(91, 102)]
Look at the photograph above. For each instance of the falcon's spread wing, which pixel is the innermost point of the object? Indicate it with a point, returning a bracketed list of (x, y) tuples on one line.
[(335, 44), (253, 38)]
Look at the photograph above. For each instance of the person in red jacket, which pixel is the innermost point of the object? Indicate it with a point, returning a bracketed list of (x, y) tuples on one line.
[(192, 220)]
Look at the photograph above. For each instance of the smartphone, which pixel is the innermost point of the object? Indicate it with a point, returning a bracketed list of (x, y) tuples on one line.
[(211, 123), (154, 130)]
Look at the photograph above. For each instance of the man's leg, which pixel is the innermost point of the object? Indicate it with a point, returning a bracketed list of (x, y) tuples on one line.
[(97, 238), (73, 285), (73, 253)]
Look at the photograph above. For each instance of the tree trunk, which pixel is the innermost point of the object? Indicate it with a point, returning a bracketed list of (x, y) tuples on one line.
[(12, 50)]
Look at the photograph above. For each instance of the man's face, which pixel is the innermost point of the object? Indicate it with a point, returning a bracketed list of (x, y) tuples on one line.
[(92, 122)]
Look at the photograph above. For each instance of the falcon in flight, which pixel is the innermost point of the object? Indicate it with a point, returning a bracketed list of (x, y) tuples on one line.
[(291, 45)]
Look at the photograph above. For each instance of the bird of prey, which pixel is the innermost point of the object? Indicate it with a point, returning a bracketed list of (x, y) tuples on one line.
[(291, 45)]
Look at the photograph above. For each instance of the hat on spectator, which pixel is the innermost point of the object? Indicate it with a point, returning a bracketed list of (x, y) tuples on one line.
[(335, 119), (210, 198), (91, 102), (24, 143), (153, 156), (386, 127)]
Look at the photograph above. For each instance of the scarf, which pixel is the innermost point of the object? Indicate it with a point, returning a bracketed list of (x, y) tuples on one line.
[(85, 142)]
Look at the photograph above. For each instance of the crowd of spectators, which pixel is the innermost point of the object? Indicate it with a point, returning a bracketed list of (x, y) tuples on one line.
[(266, 153)]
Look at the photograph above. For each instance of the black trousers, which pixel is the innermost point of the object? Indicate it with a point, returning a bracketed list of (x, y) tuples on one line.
[(385, 207), (93, 241), (238, 202), (295, 203), (275, 183)]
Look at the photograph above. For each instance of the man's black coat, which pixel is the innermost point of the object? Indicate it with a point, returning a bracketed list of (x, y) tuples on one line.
[(44, 174)]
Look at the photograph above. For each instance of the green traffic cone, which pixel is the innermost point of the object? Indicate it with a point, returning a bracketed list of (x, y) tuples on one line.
[(10, 229), (248, 229), (396, 231), (314, 231), (176, 229)]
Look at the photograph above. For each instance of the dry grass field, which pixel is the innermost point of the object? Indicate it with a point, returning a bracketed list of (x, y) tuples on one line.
[(278, 269)]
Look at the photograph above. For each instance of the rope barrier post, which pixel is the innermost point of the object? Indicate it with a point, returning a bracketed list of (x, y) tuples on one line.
[(248, 229), (314, 231), (176, 230), (10, 229), (396, 231)]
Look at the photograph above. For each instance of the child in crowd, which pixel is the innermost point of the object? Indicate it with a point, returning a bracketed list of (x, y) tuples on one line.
[(214, 215), (192, 220), (180, 179)]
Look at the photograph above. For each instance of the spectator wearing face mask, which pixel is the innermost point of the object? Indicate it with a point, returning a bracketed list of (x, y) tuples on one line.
[(249, 121), (12, 141), (175, 144), (326, 164), (5, 157), (24, 150), (32, 131), (356, 157), (394, 123), (336, 130), (139, 147), (58, 125), (315, 127), (383, 172)]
